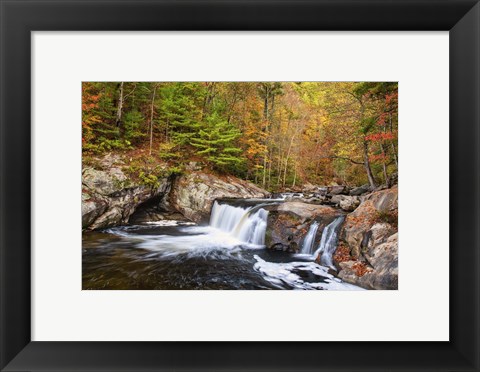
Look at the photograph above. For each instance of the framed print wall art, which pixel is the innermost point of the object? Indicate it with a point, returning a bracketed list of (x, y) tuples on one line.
[(239, 185)]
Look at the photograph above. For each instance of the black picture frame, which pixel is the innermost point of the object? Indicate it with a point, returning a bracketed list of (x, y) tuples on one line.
[(18, 18)]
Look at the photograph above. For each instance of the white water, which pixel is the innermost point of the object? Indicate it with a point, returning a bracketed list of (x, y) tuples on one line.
[(328, 243), (308, 242), (233, 232), (245, 224), (286, 273)]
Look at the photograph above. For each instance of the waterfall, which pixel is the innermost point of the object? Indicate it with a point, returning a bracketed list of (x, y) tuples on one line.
[(308, 242), (246, 224), (328, 243)]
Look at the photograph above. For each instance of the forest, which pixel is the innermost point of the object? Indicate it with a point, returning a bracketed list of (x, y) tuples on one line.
[(278, 135)]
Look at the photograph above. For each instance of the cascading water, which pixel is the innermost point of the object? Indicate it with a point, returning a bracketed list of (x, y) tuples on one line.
[(308, 242), (246, 224), (329, 241), (228, 254)]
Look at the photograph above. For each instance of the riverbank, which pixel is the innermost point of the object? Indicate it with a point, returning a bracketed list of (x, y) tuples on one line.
[(349, 233)]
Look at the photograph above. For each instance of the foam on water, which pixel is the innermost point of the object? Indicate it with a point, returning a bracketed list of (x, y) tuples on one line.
[(282, 274), (198, 241), (169, 223)]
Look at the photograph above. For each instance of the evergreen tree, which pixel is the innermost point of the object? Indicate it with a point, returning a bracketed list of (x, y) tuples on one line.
[(216, 141)]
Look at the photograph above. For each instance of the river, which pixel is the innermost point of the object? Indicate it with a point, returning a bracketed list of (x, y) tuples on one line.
[(228, 253)]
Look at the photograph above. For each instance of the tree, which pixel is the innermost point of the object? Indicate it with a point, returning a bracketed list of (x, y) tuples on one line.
[(216, 142)]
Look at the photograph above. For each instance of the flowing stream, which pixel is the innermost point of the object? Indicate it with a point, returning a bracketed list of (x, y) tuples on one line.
[(229, 253), (329, 242)]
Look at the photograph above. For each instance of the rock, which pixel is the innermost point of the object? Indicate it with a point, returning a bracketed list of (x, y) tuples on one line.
[(337, 190), (109, 198), (323, 191), (193, 194), (379, 234), (370, 234), (382, 269), (304, 211), (360, 190), (385, 200), (349, 203), (308, 187), (102, 182), (346, 202), (193, 166), (288, 223), (336, 199), (92, 208), (293, 247)]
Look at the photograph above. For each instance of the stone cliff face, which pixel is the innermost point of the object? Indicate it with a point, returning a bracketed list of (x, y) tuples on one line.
[(109, 199), (368, 251), (193, 194), (289, 222)]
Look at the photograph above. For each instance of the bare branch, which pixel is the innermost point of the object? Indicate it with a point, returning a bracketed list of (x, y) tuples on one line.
[(342, 157)]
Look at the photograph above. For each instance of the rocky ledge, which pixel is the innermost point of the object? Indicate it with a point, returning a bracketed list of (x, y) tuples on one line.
[(193, 194), (367, 254), (288, 223), (109, 198)]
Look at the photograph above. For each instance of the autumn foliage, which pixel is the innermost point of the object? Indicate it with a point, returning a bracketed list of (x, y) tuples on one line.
[(279, 135)]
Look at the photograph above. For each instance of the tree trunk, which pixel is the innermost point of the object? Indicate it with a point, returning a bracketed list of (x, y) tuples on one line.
[(394, 150), (118, 121), (151, 118), (286, 160), (270, 170), (366, 164), (265, 157), (384, 166), (295, 173)]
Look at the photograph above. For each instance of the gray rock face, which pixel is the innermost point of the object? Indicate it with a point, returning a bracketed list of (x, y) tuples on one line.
[(346, 202), (338, 190), (193, 194), (360, 190), (288, 223), (103, 183), (349, 203), (383, 261), (108, 198), (370, 233)]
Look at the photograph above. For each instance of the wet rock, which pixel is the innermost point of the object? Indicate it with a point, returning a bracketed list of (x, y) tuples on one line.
[(109, 198), (382, 270), (370, 235), (360, 190), (385, 200), (288, 223), (92, 208), (349, 203), (193, 194), (346, 202), (337, 190)]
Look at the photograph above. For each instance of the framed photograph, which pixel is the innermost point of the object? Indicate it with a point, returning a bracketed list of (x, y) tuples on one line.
[(239, 185)]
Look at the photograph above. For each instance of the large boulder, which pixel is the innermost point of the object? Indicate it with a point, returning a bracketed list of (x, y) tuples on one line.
[(338, 190), (109, 198), (346, 202), (193, 194), (380, 269), (374, 207), (368, 250), (357, 191), (288, 223)]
